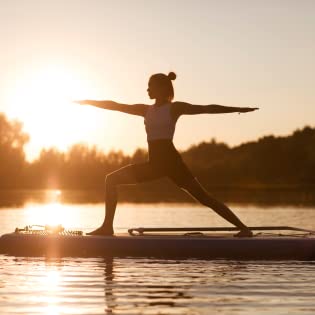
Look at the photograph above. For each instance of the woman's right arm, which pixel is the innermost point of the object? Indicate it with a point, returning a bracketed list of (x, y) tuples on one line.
[(136, 109)]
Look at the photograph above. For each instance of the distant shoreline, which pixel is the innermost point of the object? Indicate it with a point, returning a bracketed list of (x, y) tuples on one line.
[(271, 165), (267, 196)]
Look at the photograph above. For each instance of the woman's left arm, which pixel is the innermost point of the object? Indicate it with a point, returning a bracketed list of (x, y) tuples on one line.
[(190, 109)]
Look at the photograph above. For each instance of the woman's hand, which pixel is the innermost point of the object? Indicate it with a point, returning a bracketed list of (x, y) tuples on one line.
[(82, 102), (247, 109)]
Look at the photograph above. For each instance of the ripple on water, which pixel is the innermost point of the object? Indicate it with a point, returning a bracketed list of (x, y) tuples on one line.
[(151, 286)]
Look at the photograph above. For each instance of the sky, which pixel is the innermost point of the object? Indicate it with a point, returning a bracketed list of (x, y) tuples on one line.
[(228, 52)]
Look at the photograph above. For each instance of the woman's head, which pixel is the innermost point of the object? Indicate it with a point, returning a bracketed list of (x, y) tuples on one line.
[(160, 86)]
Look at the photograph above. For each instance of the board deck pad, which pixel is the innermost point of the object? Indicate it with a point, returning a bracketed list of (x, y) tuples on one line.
[(270, 245)]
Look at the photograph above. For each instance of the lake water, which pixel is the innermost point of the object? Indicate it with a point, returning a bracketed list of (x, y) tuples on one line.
[(151, 286)]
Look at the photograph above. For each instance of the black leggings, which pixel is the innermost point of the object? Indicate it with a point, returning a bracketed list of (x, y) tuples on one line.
[(164, 161)]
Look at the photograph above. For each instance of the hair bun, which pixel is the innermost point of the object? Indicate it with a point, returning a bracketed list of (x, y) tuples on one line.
[(172, 76)]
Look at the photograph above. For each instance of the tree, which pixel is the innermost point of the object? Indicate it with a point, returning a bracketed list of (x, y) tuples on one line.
[(12, 156)]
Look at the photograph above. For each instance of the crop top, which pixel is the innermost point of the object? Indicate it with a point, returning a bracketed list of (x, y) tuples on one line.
[(159, 123)]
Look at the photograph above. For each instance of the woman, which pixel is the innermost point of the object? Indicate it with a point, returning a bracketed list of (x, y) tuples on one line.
[(164, 160)]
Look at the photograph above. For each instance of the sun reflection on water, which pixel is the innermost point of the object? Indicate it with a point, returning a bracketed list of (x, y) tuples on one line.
[(50, 283), (52, 280), (51, 213)]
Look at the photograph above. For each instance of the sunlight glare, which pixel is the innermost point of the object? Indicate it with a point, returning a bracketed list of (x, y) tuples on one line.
[(52, 280), (43, 101), (50, 283), (53, 213)]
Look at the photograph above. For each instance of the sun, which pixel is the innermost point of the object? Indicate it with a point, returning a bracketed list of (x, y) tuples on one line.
[(43, 100)]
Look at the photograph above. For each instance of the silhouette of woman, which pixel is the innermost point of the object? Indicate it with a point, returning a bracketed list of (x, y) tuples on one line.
[(164, 160)]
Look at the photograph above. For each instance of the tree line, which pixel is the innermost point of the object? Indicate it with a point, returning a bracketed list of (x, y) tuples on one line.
[(287, 161)]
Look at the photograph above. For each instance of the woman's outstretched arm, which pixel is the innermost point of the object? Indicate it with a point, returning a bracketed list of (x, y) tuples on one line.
[(190, 109), (136, 109)]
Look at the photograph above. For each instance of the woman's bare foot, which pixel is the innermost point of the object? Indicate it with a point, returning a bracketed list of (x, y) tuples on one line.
[(244, 233), (102, 231)]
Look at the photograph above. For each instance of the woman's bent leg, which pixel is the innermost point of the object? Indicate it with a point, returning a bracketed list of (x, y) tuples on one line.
[(128, 175), (195, 189)]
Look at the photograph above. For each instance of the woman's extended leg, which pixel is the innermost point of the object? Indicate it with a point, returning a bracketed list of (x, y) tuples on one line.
[(124, 176), (195, 189)]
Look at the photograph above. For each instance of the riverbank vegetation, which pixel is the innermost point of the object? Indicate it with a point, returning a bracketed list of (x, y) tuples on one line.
[(271, 162)]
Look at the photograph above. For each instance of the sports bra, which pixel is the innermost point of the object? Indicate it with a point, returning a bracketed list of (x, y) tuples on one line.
[(158, 122)]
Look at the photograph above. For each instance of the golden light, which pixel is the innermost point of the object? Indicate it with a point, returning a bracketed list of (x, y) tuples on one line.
[(52, 212), (52, 280), (57, 192), (42, 100), (50, 283)]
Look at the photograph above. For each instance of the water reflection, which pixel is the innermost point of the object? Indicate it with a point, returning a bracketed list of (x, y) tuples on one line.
[(143, 291), (110, 298), (150, 286), (167, 285), (51, 285), (52, 214), (262, 197), (19, 198), (53, 280)]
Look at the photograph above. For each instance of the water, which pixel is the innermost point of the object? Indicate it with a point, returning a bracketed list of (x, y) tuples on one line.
[(152, 286)]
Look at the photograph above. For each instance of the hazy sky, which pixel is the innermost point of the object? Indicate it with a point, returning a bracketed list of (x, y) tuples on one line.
[(242, 53)]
